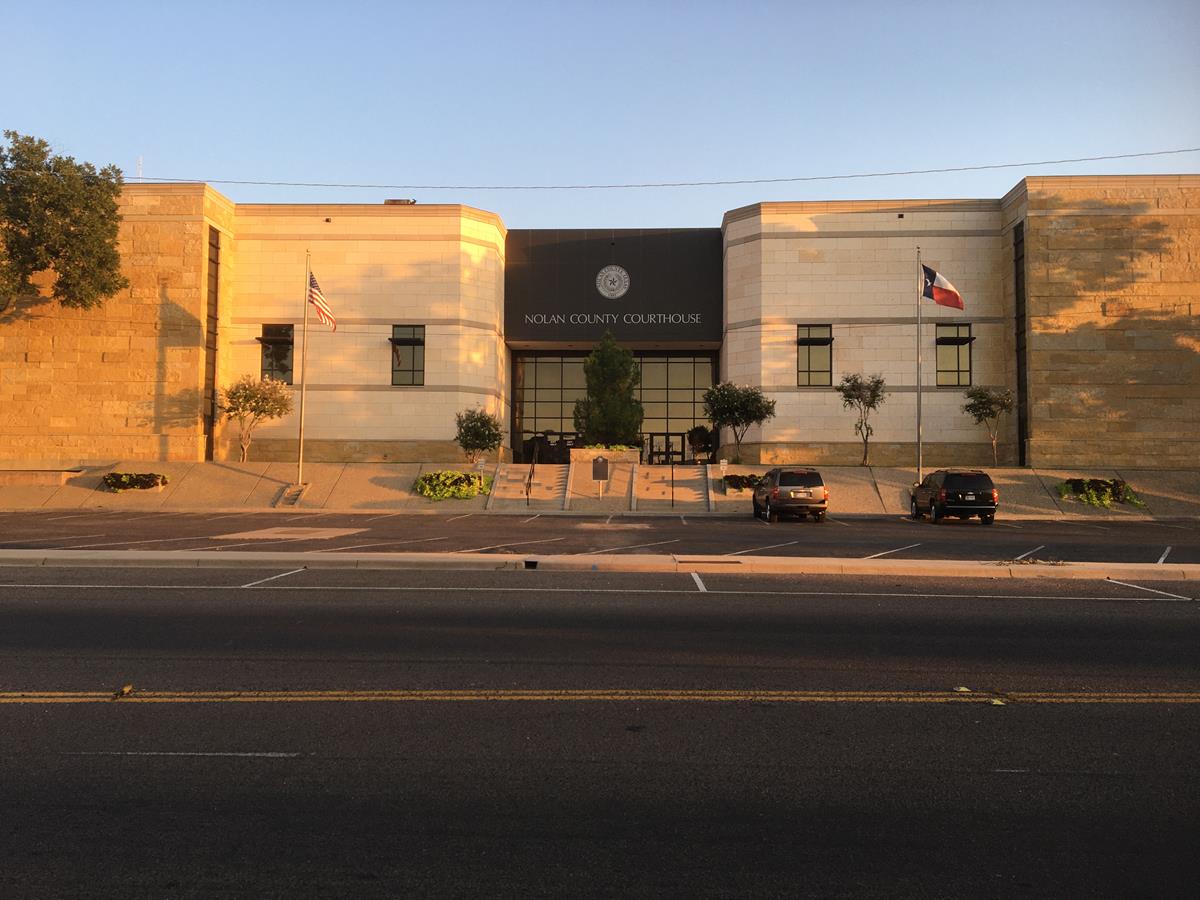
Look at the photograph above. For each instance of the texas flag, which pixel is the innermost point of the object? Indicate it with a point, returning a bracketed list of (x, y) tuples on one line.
[(939, 290)]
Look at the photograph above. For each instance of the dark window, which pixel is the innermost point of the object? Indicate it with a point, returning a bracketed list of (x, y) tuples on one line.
[(800, 479), (814, 355), (1022, 365), (965, 482), (408, 354), (954, 355), (276, 343)]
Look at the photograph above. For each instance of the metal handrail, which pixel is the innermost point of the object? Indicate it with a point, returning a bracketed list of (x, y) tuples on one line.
[(672, 482), (529, 477)]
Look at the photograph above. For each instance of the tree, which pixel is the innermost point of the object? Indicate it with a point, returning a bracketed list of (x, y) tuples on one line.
[(249, 402), (57, 216), (610, 413), (865, 395), (737, 407), (478, 432), (986, 406)]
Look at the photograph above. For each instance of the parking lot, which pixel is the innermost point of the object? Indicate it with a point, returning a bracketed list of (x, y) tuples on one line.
[(894, 537)]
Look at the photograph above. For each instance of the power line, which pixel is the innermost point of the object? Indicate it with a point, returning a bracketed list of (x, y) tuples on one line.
[(667, 184)]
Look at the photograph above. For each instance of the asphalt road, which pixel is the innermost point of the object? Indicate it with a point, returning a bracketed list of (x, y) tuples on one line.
[(1069, 540), (440, 734)]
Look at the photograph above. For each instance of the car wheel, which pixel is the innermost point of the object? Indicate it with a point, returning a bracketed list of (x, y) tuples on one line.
[(819, 517), (769, 514), (757, 510), (935, 514), (913, 512), (987, 519)]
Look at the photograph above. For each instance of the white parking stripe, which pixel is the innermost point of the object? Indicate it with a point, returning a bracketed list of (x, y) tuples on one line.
[(839, 522), (1163, 558), (886, 552), (756, 549), (456, 518), (202, 537), (1151, 590), (509, 544), (699, 583), (530, 519), (380, 544), (628, 547), (1034, 550), (70, 537), (273, 577)]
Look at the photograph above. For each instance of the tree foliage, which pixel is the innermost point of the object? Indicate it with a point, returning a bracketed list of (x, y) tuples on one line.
[(57, 216), (986, 406), (610, 413), (864, 395), (737, 407), (249, 401), (478, 432)]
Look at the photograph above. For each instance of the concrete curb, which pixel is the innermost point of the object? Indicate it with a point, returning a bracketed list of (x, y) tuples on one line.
[(762, 565)]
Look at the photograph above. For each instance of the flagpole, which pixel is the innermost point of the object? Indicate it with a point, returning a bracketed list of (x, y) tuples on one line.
[(920, 291), (303, 372)]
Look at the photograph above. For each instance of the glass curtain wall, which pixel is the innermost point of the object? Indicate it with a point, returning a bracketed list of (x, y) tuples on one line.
[(546, 386)]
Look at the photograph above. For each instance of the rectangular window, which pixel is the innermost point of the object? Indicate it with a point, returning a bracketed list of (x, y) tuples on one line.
[(954, 355), (276, 343), (814, 355), (408, 354)]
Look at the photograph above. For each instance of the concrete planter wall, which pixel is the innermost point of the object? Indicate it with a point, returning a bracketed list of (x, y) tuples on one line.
[(582, 454)]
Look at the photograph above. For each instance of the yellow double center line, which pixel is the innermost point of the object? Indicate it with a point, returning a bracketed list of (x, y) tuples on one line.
[(606, 696)]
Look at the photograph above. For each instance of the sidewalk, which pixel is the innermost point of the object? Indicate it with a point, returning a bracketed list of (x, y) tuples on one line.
[(373, 487)]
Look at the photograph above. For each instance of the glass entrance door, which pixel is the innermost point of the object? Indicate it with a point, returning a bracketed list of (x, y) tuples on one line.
[(664, 449)]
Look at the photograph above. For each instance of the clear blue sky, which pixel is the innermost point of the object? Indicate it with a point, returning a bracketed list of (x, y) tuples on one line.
[(563, 92)]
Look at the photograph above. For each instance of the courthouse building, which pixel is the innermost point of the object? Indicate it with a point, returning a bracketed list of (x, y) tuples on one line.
[(1080, 293)]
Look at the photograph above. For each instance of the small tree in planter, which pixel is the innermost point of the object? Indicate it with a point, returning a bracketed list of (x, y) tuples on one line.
[(864, 395), (610, 413), (249, 402), (986, 406), (478, 432), (700, 439), (737, 407)]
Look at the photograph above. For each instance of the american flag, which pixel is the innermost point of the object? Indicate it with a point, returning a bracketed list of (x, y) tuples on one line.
[(317, 299)]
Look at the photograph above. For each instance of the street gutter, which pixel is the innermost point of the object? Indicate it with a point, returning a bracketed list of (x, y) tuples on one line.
[(701, 564)]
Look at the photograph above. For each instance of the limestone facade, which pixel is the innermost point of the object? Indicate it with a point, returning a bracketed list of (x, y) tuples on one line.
[(1081, 296), (851, 266)]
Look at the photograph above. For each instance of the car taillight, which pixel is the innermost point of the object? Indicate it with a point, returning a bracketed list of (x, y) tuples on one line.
[(826, 493), (995, 496), (942, 496), (774, 493)]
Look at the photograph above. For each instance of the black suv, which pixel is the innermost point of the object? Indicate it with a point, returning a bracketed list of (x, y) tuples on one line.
[(791, 491), (955, 492)]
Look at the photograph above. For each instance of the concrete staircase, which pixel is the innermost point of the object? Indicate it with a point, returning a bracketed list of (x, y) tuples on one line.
[(654, 489), (547, 491)]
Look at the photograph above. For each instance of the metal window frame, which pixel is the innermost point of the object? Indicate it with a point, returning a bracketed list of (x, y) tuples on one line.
[(413, 372), (955, 340), (278, 340), (810, 341)]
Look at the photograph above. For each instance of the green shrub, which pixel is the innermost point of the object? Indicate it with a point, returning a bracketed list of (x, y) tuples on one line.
[(127, 481), (742, 482), (451, 485), (610, 447), (1099, 492)]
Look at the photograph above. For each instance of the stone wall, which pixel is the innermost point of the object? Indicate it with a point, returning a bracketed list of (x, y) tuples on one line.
[(1113, 288), (122, 380), (852, 265), (378, 266)]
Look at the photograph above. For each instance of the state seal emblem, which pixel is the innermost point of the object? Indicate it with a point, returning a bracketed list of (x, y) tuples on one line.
[(612, 282)]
